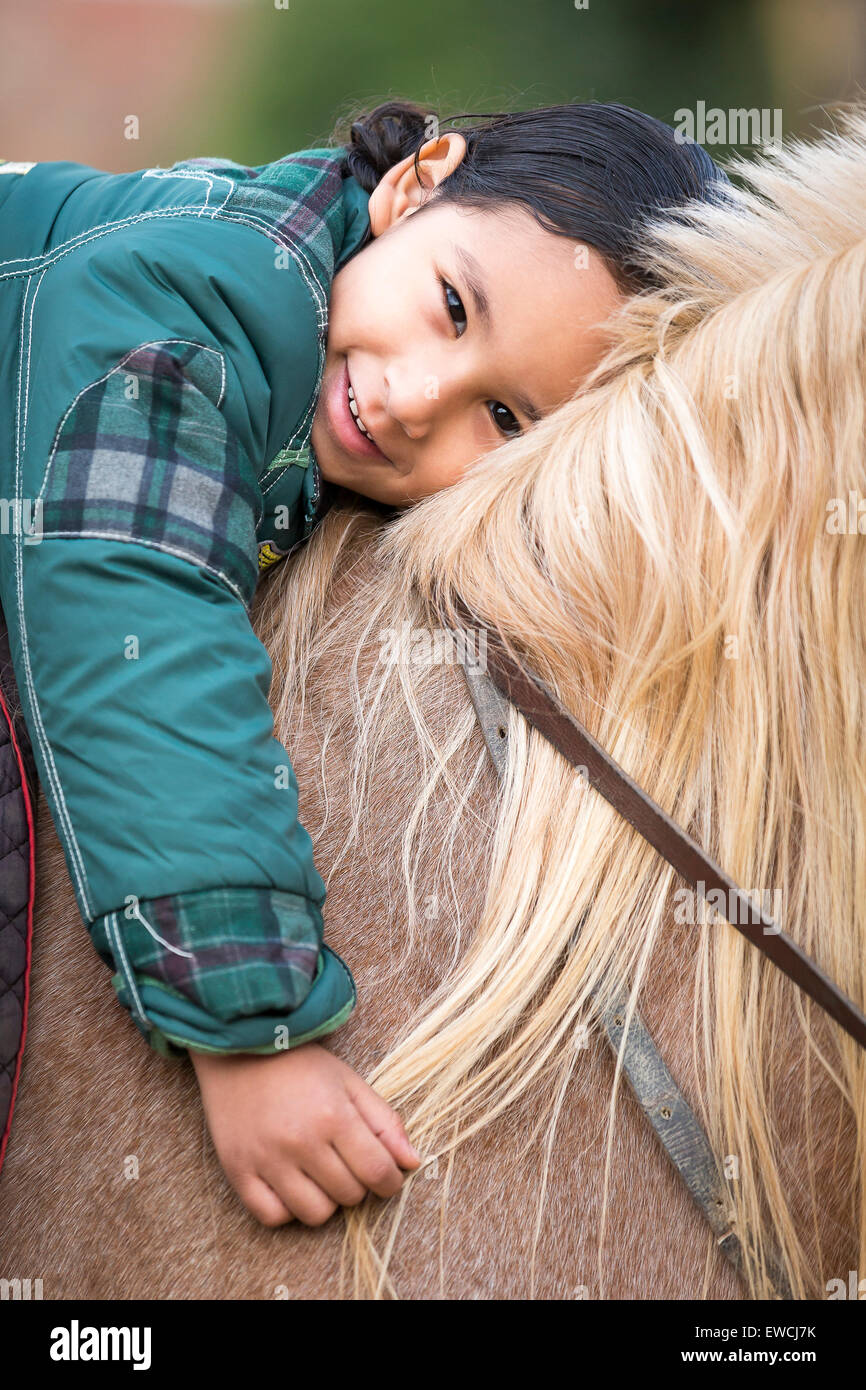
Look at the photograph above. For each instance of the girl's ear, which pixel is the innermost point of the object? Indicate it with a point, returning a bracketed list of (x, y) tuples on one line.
[(399, 193)]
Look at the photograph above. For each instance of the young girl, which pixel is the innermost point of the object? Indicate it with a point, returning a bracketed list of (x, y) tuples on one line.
[(192, 358)]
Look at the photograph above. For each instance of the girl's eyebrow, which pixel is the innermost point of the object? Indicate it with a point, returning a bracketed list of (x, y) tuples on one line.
[(473, 277), (525, 404)]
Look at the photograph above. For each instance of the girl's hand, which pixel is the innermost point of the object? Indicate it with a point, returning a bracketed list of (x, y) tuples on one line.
[(299, 1133)]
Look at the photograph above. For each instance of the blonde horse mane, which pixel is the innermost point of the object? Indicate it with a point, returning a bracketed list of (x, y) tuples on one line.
[(662, 551)]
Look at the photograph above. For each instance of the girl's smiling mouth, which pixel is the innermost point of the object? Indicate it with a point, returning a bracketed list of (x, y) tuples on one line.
[(342, 413), (353, 406)]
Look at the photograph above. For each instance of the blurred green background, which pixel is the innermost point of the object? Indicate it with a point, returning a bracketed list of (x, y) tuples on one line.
[(256, 79)]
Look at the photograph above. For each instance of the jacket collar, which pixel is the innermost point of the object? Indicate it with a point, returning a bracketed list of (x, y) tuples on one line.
[(327, 213), (357, 231)]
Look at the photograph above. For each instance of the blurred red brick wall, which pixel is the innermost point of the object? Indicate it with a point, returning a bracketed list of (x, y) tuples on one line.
[(72, 71)]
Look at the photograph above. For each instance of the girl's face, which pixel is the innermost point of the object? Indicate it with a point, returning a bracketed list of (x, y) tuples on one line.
[(454, 331)]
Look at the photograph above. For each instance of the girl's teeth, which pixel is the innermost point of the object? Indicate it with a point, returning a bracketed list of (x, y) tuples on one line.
[(356, 417)]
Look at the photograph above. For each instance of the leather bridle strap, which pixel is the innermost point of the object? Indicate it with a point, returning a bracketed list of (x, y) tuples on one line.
[(545, 712), (665, 1107)]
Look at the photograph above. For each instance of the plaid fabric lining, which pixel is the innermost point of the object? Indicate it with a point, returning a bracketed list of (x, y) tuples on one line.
[(236, 952), (146, 454)]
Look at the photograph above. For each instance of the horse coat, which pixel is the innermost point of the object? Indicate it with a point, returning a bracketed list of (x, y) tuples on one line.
[(162, 342)]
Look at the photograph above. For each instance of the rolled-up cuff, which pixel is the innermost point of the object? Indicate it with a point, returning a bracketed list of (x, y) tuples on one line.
[(225, 970), (172, 1024)]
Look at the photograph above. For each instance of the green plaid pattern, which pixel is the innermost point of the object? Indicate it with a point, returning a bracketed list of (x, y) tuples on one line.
[(236, 952), (145, 454)]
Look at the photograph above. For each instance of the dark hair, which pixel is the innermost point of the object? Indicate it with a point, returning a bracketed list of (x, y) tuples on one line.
[(591, 171)]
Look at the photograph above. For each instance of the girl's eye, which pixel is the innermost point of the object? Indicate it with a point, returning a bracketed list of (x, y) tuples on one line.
[(454, 306), (505, 421)]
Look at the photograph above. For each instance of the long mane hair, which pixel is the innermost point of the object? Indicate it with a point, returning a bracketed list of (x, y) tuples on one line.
[(663, 552)]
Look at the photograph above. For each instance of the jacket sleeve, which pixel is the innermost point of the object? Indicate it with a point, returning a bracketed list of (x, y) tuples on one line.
[(146, 688)]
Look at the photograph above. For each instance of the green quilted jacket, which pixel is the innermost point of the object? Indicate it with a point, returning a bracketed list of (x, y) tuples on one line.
[(162, 340)]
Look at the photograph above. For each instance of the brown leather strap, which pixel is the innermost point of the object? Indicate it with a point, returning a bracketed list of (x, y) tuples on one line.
[(540, 706), (673, 1121)]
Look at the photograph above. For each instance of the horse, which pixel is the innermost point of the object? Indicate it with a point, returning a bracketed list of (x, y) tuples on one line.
[(677, 552)]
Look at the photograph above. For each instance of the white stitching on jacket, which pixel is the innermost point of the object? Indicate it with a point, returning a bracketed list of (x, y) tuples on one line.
[(77, 862), (126, 970), (198, 174), (82, 237), (252, 220), (153, 545), (175, 950)]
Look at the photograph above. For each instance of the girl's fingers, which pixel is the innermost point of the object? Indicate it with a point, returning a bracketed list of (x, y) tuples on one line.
[(366, 1155), (335, 1179), (383, 1121), (300, 1194), (262, 1202)]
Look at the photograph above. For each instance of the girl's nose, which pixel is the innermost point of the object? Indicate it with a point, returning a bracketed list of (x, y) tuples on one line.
[(416, 396)]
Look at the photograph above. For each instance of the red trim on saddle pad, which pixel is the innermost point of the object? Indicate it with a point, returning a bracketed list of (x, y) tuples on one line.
[(31, 833)]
